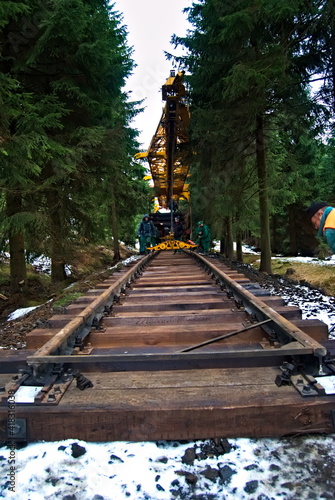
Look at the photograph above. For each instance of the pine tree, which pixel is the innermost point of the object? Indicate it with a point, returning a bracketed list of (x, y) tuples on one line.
[(246, 68), (74, 61)]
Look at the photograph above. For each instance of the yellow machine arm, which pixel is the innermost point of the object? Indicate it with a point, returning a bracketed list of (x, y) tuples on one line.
[(166, 154)]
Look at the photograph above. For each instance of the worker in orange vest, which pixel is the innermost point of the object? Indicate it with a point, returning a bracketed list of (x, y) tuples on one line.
[(323, 219)]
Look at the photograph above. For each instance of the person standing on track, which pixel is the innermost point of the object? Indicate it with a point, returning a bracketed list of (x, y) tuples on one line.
[(323, 219), (146, 234), (203, 235)]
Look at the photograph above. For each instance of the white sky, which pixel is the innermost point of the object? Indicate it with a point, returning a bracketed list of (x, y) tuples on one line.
[(150, 25)]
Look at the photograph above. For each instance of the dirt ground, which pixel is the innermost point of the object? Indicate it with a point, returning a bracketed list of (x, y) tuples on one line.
[(85, 277)]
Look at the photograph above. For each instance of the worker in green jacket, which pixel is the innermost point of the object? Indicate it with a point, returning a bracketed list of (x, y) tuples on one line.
[(146, 234), (203, 235), (323, 219)]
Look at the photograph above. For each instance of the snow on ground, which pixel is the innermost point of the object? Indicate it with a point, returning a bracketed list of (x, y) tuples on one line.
[(329, 261), (18, 313), (289, 468), (255, 469)]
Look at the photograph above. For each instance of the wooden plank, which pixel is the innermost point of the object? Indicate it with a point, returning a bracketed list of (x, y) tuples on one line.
[(179, 293), (315, 328), (129, 307), (191, 404), (209, 316), (158, 277), (217, 312), (170, 336), (139, 335), (181, 282), (220, 311), (150, 296), (180, 288)]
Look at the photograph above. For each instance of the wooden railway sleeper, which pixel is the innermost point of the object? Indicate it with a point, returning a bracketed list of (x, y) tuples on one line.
[(225, 336), (280, 328)]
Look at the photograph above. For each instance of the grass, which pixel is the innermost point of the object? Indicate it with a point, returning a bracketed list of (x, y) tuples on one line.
[(319, 276), (66, 298)]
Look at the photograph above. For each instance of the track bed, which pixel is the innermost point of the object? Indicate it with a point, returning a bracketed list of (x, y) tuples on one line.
[(185, 348)]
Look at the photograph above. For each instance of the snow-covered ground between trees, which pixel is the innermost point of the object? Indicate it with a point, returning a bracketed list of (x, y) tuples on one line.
[(290, 468)]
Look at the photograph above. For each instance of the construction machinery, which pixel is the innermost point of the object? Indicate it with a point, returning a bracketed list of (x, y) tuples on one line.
[(167, 157)]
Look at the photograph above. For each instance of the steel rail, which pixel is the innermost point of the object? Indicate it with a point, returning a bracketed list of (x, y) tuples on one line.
[(285, 330), (294, 348), (85, 318)]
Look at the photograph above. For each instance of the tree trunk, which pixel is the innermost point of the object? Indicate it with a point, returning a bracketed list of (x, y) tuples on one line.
[(265, 265), (332, 43), (293, 240), (18, 271), (114, 225), (276, 243), (56, 237), (229, 239), (239, 253)]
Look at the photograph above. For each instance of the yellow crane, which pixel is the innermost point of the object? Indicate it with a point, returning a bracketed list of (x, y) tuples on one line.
[(167, 153)]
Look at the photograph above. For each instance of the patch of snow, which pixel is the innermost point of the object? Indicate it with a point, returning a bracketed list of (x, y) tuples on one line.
[(312, 303), (330, 261), (253, 469), (18, 313)]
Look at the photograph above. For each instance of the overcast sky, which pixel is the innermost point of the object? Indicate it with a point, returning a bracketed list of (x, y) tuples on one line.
[(150, 25)]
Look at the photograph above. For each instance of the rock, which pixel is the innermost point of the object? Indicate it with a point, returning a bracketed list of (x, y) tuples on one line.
[(289, 271), (210, 473), (226, 473), (251, 467), (77, 450), (251, 486), (189, 456), (115, 459), (189, 477)]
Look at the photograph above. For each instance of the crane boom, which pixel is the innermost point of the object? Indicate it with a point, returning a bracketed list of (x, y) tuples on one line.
[(166, 154)]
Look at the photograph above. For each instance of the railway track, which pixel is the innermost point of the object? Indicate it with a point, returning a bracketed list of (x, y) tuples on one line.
[(173, 346)]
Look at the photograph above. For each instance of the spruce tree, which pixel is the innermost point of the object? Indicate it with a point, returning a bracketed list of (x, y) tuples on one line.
[(245, 64), (73, 63)]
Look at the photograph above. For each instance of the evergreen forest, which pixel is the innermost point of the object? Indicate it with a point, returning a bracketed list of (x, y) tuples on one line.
[(260, 80)]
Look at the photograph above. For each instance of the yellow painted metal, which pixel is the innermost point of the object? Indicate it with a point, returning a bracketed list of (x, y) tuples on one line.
[(166, 154), (170, 243)]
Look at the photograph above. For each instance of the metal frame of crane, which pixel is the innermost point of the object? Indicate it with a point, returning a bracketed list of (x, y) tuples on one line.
[(167, 155)]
